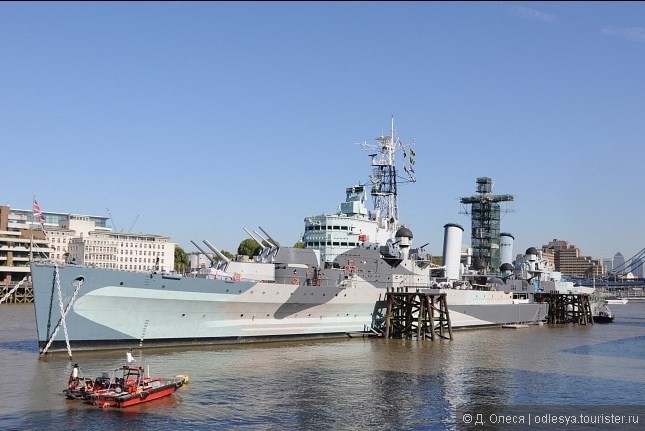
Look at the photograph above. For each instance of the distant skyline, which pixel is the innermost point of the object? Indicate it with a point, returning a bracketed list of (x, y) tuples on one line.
[(197, 119)]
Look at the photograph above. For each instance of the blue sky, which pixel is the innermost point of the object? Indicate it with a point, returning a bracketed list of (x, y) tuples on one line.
[(199, 119)]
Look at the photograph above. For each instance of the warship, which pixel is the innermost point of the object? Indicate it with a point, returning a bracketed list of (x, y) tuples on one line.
[(333, 287)]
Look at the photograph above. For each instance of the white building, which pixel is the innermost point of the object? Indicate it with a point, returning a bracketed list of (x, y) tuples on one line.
[(82, 239), (127, 251)]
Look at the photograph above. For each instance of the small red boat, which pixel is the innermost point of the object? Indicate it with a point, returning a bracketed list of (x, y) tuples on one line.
[(134, 388)]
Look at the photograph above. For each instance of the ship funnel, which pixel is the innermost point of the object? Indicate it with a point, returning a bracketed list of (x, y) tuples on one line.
[(453, 234), (506, 248)]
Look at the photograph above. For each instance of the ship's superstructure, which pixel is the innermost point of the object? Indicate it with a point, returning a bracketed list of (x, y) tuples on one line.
[(354, 225), (351, 226)]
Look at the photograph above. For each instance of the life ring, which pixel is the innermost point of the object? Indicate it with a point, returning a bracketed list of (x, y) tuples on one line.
[(294, 280)]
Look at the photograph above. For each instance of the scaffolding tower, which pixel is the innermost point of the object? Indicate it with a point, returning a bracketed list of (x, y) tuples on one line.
[(485, 215)]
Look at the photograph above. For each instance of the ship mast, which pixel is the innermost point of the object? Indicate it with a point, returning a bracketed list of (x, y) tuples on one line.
[(383, 179)]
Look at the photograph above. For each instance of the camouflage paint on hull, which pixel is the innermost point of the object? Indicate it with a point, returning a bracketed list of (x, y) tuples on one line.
[(115, 309)]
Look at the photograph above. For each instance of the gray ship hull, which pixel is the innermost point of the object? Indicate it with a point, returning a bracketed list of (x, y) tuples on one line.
[(117, 309)]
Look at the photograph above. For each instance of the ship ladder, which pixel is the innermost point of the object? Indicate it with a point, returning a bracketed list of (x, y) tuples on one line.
[(537, 313), (13, 289), (63, 310)]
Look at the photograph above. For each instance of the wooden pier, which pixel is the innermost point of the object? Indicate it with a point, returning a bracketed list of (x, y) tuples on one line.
[(568, 308), (417, 315), (23, 294)]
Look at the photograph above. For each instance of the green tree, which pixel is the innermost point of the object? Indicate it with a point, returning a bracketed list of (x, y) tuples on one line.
[(249, 247), (299, 244), (228, 254), (181, 259)]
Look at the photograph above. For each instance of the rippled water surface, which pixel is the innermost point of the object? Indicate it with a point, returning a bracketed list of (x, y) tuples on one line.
[(345, 384)]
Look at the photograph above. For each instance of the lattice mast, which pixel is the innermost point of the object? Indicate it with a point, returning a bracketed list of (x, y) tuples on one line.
[(384, 179), (485, 216)]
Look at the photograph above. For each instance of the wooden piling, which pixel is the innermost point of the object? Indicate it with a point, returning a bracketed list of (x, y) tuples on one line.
[(568, 308), (24, 294), (417, 315)]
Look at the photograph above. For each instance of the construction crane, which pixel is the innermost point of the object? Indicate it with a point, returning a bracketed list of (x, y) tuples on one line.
[(112, 220), (114, 224), (132, 225)]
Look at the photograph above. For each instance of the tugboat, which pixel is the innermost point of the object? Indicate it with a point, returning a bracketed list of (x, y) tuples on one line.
[(134, 388)]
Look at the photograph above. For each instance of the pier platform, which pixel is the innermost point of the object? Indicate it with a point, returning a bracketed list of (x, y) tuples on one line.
[(567, 307), (417, 315), (23, 294)]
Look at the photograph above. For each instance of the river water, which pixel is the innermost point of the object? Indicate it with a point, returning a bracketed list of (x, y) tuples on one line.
[(353, 384)]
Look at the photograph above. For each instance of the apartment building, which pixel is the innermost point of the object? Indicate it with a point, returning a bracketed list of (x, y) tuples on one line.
[(568, 259)]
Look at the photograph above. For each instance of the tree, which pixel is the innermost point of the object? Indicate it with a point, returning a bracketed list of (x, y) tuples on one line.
[(181, 259), (228, 254), (299, 244), (249, 247)]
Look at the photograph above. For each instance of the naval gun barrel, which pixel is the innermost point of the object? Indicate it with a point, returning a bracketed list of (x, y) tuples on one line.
[(269, 236), (203, 252), (261, 242), (216, 251), (264, 239)]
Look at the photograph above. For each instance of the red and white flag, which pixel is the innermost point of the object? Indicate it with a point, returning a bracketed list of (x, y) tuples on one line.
[(38, 214)]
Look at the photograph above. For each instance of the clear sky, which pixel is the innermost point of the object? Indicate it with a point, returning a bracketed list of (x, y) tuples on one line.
[(199, 119)]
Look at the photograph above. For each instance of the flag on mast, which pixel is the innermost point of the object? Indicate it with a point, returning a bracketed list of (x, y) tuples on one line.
[(38, 214)]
